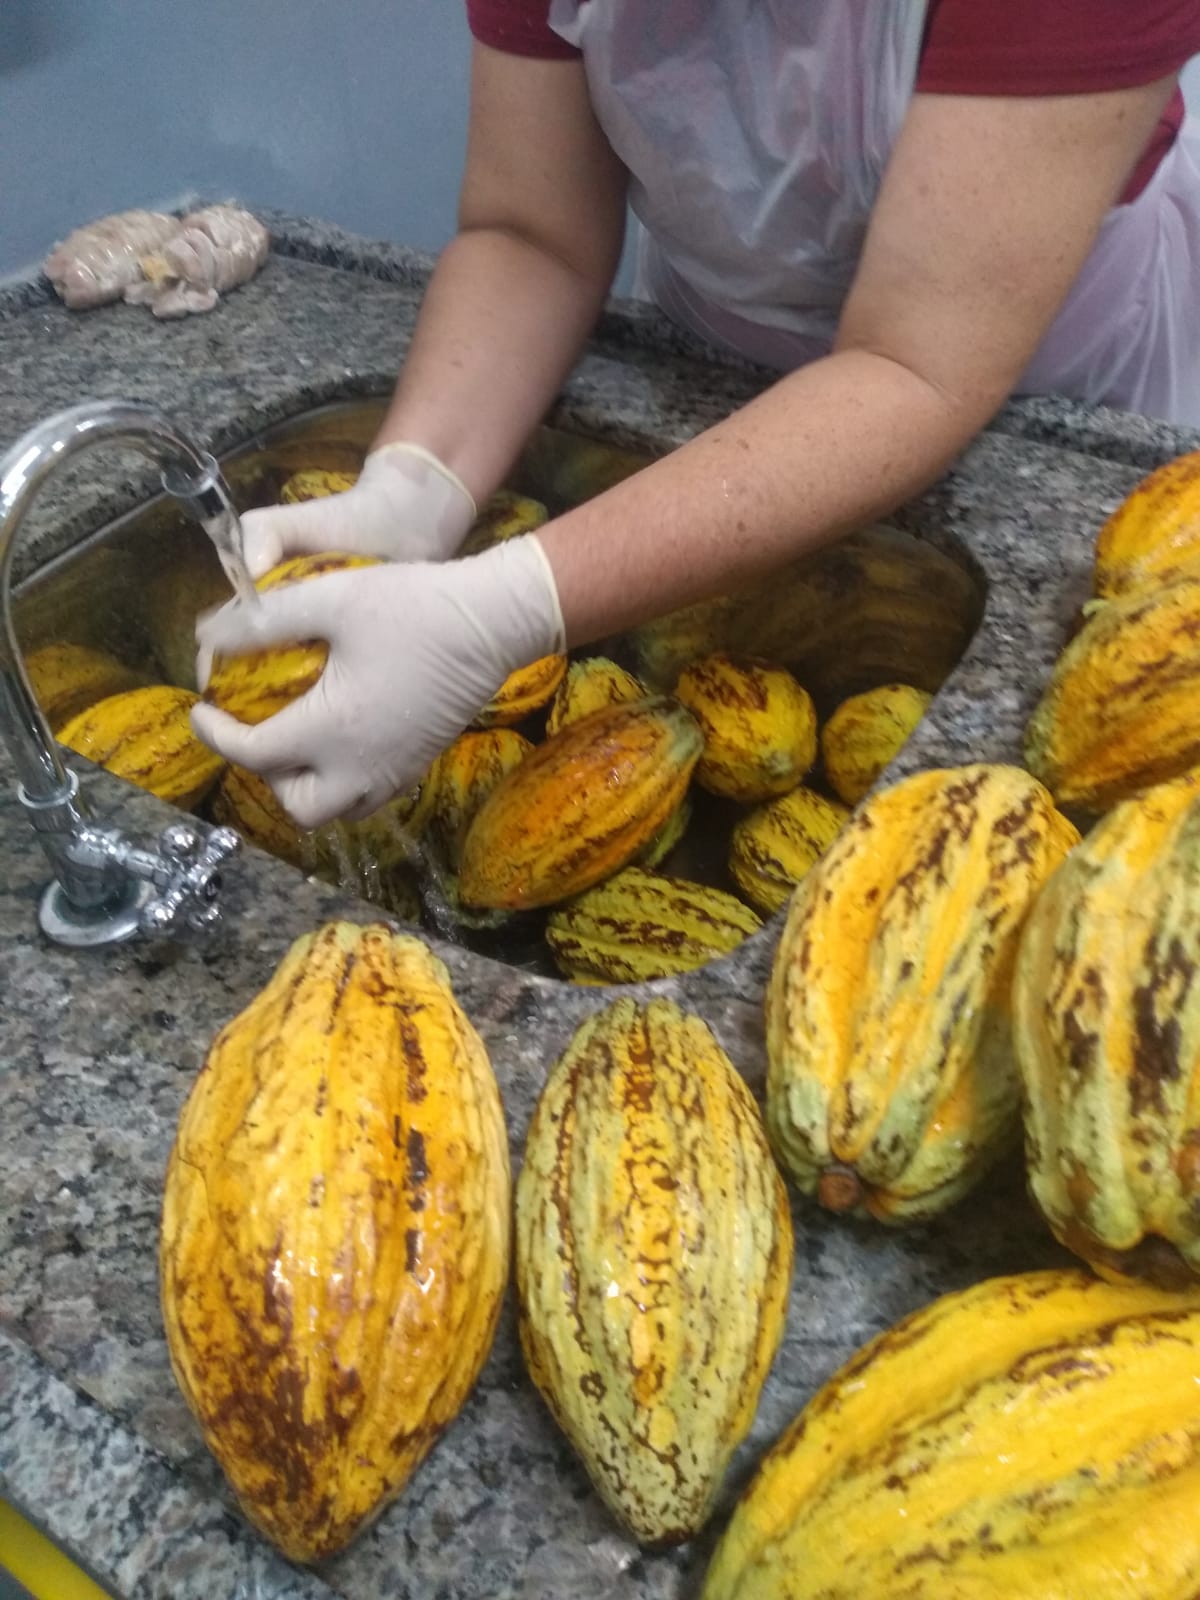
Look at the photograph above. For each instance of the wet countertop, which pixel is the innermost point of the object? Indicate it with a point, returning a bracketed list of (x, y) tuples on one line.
[(97, 1051)]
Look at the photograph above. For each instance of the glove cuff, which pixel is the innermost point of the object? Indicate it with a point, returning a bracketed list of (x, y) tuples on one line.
[(458, 509)]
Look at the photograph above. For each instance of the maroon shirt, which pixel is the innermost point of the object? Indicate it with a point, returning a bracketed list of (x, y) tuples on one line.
[(1016, 47)]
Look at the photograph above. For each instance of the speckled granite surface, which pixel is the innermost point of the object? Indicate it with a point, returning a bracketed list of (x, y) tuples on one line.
[(97, 1051)]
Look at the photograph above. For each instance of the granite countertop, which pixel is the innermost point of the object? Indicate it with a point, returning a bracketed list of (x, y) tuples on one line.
[(99, 1049)]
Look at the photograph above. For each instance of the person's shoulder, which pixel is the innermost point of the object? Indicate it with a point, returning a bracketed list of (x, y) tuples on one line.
[(518, 27)]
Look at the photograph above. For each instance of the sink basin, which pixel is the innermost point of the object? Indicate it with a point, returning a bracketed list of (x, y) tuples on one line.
[(882, 607)]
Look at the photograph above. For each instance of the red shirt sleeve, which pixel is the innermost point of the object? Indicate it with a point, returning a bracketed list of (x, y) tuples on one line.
[(1064, 47), (518, 27)]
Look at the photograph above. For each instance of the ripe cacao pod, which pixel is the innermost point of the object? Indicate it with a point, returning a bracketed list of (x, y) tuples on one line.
[(773, 846), (1034, 1436), (461, 779), (335, 1233), (865, 733), (879, 606), (1120, 710), (589, 685), (891, 1085), (523, 692), (1107, 1029), (581, 806), (505, 515), (1153, 537), (314, 483), (144, 736), (68, 678), (653, 1258), (638, 925), (759, 726), (254, 687), (382, 841)]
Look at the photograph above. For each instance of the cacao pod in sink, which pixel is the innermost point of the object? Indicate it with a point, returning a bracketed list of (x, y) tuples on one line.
[(254, 687), (145, 737), (759, 726), (891, 1082), (581, 805), (1034, 1437), (1107, 1027), (867, 732), (335, 1233), (654, 1258)]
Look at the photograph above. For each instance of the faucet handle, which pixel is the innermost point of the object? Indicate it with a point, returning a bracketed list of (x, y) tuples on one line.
[(188, 878)]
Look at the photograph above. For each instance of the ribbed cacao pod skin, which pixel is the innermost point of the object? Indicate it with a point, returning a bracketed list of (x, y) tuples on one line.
[(505, 515), (581, 806), (144, 736), (668, 836), (246, 801), (891, 1086), (638, 925), (867, 732), (335, 1233), (1122, 709), (68, 678), (461, 779), (590, 685), (1153, 537), (312, 483), (1034, 1437), (772, 847), (523, 692), (759, 725), (254, 687), (653, 1258), (1107, 1029)]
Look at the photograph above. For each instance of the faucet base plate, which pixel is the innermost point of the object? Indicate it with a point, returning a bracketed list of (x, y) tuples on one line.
[(66, 924)]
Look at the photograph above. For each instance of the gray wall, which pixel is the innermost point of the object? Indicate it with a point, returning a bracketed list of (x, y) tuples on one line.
[(350, 110)]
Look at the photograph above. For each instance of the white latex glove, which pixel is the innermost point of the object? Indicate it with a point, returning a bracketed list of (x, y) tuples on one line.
[(415, 651), (406, 506)]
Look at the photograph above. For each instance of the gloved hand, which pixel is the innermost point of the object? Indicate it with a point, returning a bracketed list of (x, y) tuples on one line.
[(415, 651), (406, 506)]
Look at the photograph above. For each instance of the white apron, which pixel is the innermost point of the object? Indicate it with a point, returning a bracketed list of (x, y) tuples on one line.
[(756, 133)]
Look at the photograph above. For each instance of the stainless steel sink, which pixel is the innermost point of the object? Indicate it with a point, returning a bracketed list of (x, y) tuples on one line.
[(882, 607)]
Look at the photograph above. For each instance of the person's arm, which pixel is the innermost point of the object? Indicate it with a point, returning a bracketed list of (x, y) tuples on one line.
[(516, 292), (510, 303), (987, 212)]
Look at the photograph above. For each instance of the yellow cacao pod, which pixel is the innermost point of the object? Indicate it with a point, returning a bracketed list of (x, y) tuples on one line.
[(654, 1257), (880, 606), (1032, 1437), (865, 733), (759, 726), (254, 687), (68, 678), (1107, 1029), (461, 779), (640, 925), (505, 515), (588, 686), (523, 692), (668, 836), (144, 736), (382, 841), (1153, 537), (773, 846), (314, 484), (335, 1233), (1121, 709), (891, 1085), (581, 806)]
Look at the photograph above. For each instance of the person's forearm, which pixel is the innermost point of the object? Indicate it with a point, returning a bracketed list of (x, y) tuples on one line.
[(501, 325), (825, 450)]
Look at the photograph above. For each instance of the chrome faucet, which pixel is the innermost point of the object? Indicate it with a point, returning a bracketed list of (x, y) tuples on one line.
[(106, 887)]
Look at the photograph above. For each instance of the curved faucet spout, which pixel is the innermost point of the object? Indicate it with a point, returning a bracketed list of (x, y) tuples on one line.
[(90, 880)]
